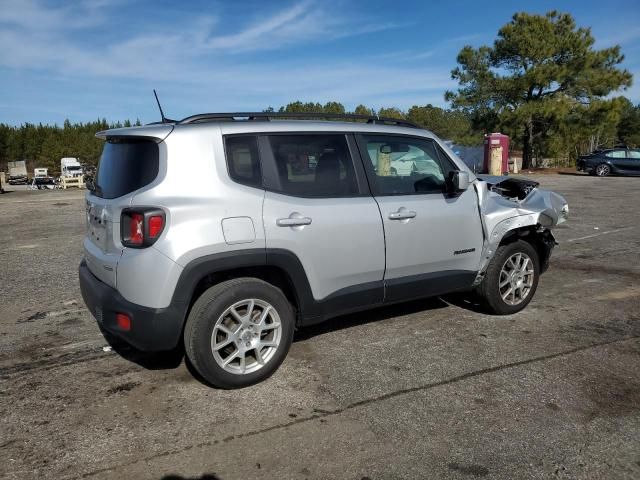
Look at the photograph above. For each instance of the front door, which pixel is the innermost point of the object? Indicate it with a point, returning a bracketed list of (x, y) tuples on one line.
[(632, 162), (433, 241)]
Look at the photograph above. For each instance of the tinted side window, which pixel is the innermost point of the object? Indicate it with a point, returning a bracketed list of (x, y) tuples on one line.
[(243, 160), (403, 165), (313, 165), (126, 166), (634, 154), (617, 154)]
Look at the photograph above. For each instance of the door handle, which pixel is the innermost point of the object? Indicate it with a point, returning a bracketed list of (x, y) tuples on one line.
[(402, 215), (293, 221)]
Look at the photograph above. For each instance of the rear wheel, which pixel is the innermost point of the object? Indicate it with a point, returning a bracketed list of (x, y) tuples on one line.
[(603, 170), (239, 332), (511, 278)]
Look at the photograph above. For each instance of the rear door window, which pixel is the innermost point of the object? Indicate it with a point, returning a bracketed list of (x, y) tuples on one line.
[(126, 166), (318, 165)]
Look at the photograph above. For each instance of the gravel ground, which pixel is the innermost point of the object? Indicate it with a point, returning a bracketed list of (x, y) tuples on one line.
[(428, 389)]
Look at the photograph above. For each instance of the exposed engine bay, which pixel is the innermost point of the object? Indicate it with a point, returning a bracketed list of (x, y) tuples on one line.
[(510, 187)]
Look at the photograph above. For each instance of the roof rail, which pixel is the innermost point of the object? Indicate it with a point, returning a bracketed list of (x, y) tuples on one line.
[(266, 116)]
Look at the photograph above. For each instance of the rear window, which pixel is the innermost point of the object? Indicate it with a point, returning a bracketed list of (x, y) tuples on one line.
[(126, 166), (243, 160)]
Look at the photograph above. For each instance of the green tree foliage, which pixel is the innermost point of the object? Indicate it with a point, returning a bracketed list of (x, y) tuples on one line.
[(571, 128), (299, 107), (44, 145), (391, 112), (629, 126), (333, 107), (540, 71), (364, 110), (447, 124)]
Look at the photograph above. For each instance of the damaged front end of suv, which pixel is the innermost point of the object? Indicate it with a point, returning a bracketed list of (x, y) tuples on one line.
[(512, 209)]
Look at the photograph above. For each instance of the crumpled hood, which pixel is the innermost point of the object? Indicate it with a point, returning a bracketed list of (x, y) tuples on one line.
[(510, 187)]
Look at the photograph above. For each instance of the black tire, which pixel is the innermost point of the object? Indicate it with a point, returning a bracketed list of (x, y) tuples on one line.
[(602, 170), (489, 289), (208, 309)]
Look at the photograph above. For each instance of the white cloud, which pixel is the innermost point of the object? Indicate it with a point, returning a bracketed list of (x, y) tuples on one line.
[(197, 60), (286, 26), (32, 15)]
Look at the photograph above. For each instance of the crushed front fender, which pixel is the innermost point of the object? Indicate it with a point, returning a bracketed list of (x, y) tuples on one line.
[(540, 210)]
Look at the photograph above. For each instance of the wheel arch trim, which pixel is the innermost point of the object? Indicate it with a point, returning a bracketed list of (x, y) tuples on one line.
[(286, 261)]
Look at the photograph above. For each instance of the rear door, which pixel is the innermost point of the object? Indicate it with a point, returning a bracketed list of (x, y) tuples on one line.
[(433, 241), (318, 207), (126, 165), (632, 162)]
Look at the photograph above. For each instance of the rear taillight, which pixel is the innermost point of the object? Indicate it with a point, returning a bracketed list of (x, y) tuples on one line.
[(156, 224), (136, 227), (141, 227)]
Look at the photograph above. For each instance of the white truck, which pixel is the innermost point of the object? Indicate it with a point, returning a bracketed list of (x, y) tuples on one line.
[(70, 167), (40, 172)]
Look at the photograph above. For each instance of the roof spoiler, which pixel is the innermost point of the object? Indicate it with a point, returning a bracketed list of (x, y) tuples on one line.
[(157, 132)]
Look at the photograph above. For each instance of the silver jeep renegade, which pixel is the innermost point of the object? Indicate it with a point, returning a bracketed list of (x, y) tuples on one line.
[(229, 231)]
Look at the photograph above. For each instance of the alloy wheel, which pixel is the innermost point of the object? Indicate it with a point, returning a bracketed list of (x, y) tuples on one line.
[(516, 278), (602, 170), (246, 336)]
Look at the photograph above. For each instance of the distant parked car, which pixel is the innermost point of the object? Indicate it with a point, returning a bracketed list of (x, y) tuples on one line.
[(618, 161)]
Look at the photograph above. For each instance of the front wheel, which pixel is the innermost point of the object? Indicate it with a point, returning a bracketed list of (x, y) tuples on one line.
[(603, 170), (511, 278), (239, 332)]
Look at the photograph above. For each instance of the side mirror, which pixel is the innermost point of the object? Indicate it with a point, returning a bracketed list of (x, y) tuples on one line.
[(457, 182)]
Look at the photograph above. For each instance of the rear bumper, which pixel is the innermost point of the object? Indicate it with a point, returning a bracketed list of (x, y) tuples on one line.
[(152, 329), (582, 166)]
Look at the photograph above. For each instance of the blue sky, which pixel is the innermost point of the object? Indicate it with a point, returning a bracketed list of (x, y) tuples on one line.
[(86, 59)]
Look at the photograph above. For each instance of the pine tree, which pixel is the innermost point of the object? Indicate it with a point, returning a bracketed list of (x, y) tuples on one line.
[(539, 70)]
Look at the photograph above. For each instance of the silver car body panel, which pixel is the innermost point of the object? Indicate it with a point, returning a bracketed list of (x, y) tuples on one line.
[(102, 246), (344, 245), (431, 242)]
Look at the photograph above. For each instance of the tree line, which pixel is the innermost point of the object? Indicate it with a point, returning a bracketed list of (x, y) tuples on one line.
[(44, 145), (541, 82)]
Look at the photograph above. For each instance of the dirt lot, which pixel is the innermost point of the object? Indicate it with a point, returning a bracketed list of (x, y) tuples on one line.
[(424, 390)]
